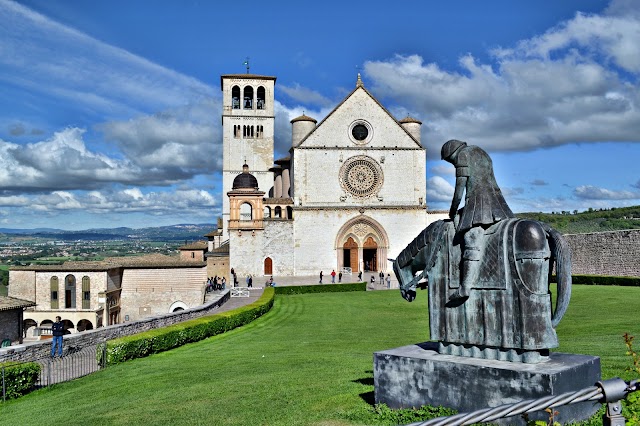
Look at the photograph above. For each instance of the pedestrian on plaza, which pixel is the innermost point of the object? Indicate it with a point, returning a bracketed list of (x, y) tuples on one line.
[(57, 330), (250, 282), (360, 276), (381, 275), (247, 280), (333, 276), (224, 283), (373, 282), (320, 277), (388, 280), (340, 277), (235, 279)]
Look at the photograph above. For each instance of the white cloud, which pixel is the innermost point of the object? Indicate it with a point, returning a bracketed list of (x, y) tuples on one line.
[(44, 56), (305, 95), (593, 193), (574, 83), (439, 189)]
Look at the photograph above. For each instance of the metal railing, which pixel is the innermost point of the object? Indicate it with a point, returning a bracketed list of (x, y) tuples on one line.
[(608, 391), (73, 364)]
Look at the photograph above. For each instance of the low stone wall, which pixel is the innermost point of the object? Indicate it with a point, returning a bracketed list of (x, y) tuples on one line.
[(613, 253), (42, 349)]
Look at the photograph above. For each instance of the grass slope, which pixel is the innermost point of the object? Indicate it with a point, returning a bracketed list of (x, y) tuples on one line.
[(307, 362)]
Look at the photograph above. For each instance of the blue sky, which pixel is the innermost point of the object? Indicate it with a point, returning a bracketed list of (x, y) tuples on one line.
[(110, 112)]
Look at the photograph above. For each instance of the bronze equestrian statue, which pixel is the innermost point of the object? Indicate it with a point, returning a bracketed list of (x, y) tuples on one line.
[(488, 273)]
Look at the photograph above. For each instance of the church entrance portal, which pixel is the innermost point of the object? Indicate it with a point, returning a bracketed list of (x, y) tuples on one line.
[(362, 246)]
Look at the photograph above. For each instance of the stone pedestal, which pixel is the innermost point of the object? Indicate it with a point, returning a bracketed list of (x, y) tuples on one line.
[(416, 375)]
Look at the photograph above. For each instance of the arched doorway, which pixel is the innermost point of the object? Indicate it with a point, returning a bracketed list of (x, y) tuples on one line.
[(350, 254), (370, 254), (268, 266), (362, 244)]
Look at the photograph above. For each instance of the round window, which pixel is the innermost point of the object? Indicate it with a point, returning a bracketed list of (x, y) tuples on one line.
[(360, 132)]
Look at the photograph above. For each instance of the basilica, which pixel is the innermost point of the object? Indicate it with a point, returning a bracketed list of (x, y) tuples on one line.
[(349, 196)]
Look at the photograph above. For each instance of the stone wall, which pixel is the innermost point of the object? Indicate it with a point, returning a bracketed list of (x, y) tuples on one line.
[(613, 253), (10, 324), (42, 349)]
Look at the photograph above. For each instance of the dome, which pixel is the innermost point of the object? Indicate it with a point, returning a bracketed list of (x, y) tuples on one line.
[(303, 117), (245, 180)]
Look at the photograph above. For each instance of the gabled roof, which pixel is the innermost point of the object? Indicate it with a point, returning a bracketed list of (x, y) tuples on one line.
[(7, 303), (359, 86), (198, 245)]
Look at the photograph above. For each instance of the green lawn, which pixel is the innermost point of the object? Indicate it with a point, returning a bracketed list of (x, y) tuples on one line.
[(307, 362)]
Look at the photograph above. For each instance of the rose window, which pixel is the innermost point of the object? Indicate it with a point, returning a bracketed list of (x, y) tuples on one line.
[(361, 176)]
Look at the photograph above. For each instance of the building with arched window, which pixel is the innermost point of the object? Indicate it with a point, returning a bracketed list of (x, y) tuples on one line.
[(349, 196)]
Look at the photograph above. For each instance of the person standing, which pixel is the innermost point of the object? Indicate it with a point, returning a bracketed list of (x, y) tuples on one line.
[(320, 277), (360, 276), (333, 276), (340, 277), (57, 330), (250, 282), (381, 275), (224, 283), (388, 280)]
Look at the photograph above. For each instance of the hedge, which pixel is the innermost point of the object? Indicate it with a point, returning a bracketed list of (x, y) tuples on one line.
[(165, 338), (605, 280), (19, 378), (321, 288)]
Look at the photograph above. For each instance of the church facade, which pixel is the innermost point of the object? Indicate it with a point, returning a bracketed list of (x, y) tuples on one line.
[(350, 195)]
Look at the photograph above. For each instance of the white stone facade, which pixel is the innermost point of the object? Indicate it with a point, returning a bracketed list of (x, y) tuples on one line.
[(357, 195)]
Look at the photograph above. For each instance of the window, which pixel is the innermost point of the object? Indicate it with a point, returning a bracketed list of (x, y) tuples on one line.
[(260, 103), (245, 211), (259, 131), (54, 292), (236, 131), (86, 293), (248, 98), (70, 292), (235, 97)]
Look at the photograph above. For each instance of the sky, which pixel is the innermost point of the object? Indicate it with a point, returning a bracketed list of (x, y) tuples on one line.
[(110, 111)]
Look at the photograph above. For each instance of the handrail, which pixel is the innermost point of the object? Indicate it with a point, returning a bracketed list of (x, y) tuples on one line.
[(609, 391)]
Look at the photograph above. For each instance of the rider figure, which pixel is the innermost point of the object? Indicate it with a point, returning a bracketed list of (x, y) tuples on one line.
[(484, 205)]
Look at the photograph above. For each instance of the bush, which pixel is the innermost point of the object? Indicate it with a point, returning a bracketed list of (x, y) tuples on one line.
[(605, 280), (321, 288), (19, 378), (162, 339)]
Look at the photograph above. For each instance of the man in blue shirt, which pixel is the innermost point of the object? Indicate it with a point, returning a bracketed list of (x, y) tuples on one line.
[(58, 331)]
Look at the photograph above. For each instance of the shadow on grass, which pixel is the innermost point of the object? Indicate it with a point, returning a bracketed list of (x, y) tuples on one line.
[(368, 397)]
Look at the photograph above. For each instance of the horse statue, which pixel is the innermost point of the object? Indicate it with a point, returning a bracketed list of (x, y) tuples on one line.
[(488, 272)]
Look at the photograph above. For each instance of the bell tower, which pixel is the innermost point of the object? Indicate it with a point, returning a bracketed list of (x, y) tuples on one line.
[(247, 128)]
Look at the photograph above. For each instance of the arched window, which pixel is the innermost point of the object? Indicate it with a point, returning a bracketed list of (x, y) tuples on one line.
[(267, 211), (86, 292), (248, 97), (245, 211), (259, 131), (235, 97), (278, 212), (252, 134), (260, 103), (236, 131), (54, 293), (289, 212), (70, 292)]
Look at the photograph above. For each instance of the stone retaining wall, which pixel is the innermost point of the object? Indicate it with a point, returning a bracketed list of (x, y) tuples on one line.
[(613, 253), (42, 349)]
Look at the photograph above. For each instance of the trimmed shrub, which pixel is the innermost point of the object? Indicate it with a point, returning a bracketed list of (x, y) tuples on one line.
[(320, 288), (604, 280), (162, 339), (19, 378)]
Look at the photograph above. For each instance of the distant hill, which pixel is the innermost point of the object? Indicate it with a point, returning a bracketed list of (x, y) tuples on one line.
[(182, 232), (613, 219)]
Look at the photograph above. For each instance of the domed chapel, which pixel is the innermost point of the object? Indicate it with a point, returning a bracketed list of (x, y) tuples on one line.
[(349, 196)]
